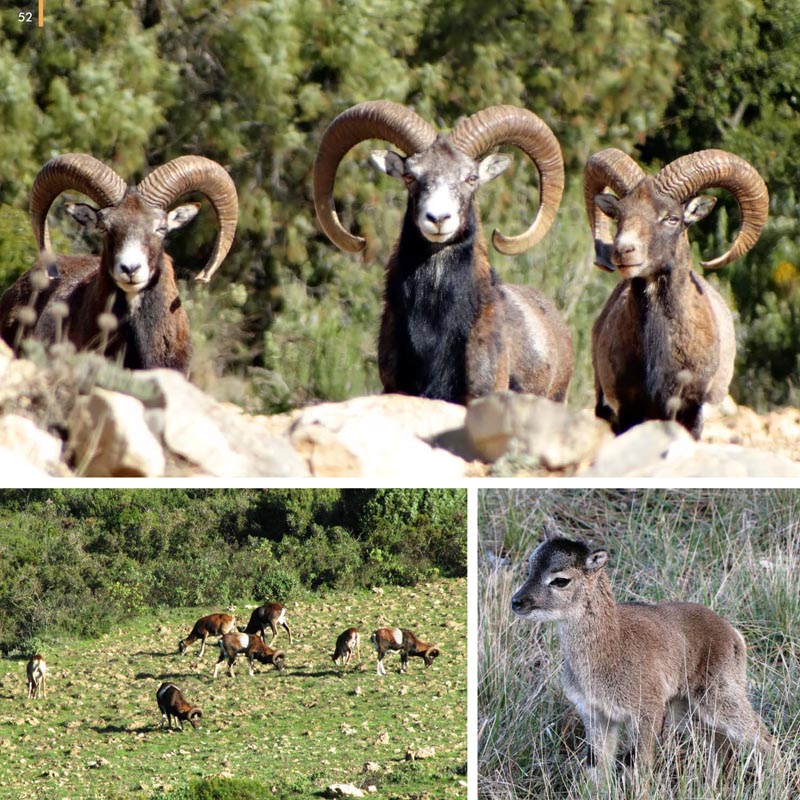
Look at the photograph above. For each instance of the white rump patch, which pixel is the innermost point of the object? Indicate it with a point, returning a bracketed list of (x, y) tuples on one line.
[(397, 635)]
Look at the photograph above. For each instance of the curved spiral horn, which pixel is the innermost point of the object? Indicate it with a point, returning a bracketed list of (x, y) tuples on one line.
[(165, 184), (375, 119), (608, 169), (705, 169), (77, 172), (511, 125)]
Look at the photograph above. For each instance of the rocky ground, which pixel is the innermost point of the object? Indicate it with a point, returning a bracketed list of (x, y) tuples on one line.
[(69, 414)]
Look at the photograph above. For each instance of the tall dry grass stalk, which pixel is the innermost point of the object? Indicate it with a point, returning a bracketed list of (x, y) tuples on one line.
[(736, 551)]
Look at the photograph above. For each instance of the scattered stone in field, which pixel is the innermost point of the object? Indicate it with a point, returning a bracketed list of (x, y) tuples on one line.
[(97, 763), (372, 788), (423, 752), (402, 690), (344, 790), (358, 691), (372, 766), (377, 590), (347, 730), (383, 738), (31, 721)]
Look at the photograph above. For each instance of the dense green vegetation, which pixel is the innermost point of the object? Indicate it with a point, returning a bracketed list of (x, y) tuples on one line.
[(281, 735), (253, 83), (79, 561), (737, 552)]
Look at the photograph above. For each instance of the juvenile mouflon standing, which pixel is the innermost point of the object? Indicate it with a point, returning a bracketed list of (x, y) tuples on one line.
[(625, 663)]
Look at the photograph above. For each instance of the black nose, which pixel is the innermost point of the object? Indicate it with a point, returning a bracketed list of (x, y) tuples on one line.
[(130, 269), (516, 603), (437, 220)]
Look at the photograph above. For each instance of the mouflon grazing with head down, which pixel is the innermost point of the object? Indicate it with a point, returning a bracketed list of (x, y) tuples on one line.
[(625, 664), (664, 343), (211, 625), (450, 329), (404, 641), (172, 703), (124, 301)]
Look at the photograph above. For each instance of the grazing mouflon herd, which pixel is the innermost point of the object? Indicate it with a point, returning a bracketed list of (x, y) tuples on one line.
[(250, 644), (663, 345)]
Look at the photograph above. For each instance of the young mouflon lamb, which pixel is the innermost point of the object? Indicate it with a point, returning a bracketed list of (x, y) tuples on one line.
[(624, 664)]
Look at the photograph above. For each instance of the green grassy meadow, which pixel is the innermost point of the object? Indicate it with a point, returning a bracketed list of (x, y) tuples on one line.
[(736, 551), (97, 734)]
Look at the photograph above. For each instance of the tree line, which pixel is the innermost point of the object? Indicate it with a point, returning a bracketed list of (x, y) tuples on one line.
[(77, 560)]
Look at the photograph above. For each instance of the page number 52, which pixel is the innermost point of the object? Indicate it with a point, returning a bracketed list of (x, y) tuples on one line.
[(25, 16)]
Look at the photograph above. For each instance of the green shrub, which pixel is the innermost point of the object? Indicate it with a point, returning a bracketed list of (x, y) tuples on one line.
[(276, 584)]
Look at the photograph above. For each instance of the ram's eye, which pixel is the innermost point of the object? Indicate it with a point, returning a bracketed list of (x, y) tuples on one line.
[(161, 230), (409, 179), (471, 180), (672, 220), (559, 583)]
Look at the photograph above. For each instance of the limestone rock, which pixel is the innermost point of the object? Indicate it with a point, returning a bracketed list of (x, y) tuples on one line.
[(666, 450), (344, 790), (109, 437), (27, 451), (383, 437), (218, 438), (549, 434)]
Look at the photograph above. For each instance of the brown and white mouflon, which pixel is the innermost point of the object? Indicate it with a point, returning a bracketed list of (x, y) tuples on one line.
[(171, 703), (36, 670), (347, 642), (404, 641), (269, 615), (627, 664), (252, 647), (664, 343), (211, 625)]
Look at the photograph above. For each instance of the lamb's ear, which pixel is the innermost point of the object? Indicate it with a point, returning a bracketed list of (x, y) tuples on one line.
[(549, 530), (595, 560)]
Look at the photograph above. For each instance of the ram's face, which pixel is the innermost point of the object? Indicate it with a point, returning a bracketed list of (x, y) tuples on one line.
[(133, 237), (441, 183), (651, 229)]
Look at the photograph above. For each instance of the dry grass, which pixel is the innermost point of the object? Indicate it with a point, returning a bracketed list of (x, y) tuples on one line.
[(735, 551)]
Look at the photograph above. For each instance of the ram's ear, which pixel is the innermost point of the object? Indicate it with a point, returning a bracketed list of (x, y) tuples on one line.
[(181, 215), (388, 162), (698, 208), (84, 215), (492, 166)]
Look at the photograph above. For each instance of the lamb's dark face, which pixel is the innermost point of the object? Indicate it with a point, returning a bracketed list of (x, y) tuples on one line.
[(133, 236), (441, 184), (651, 228), (559, 570)]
